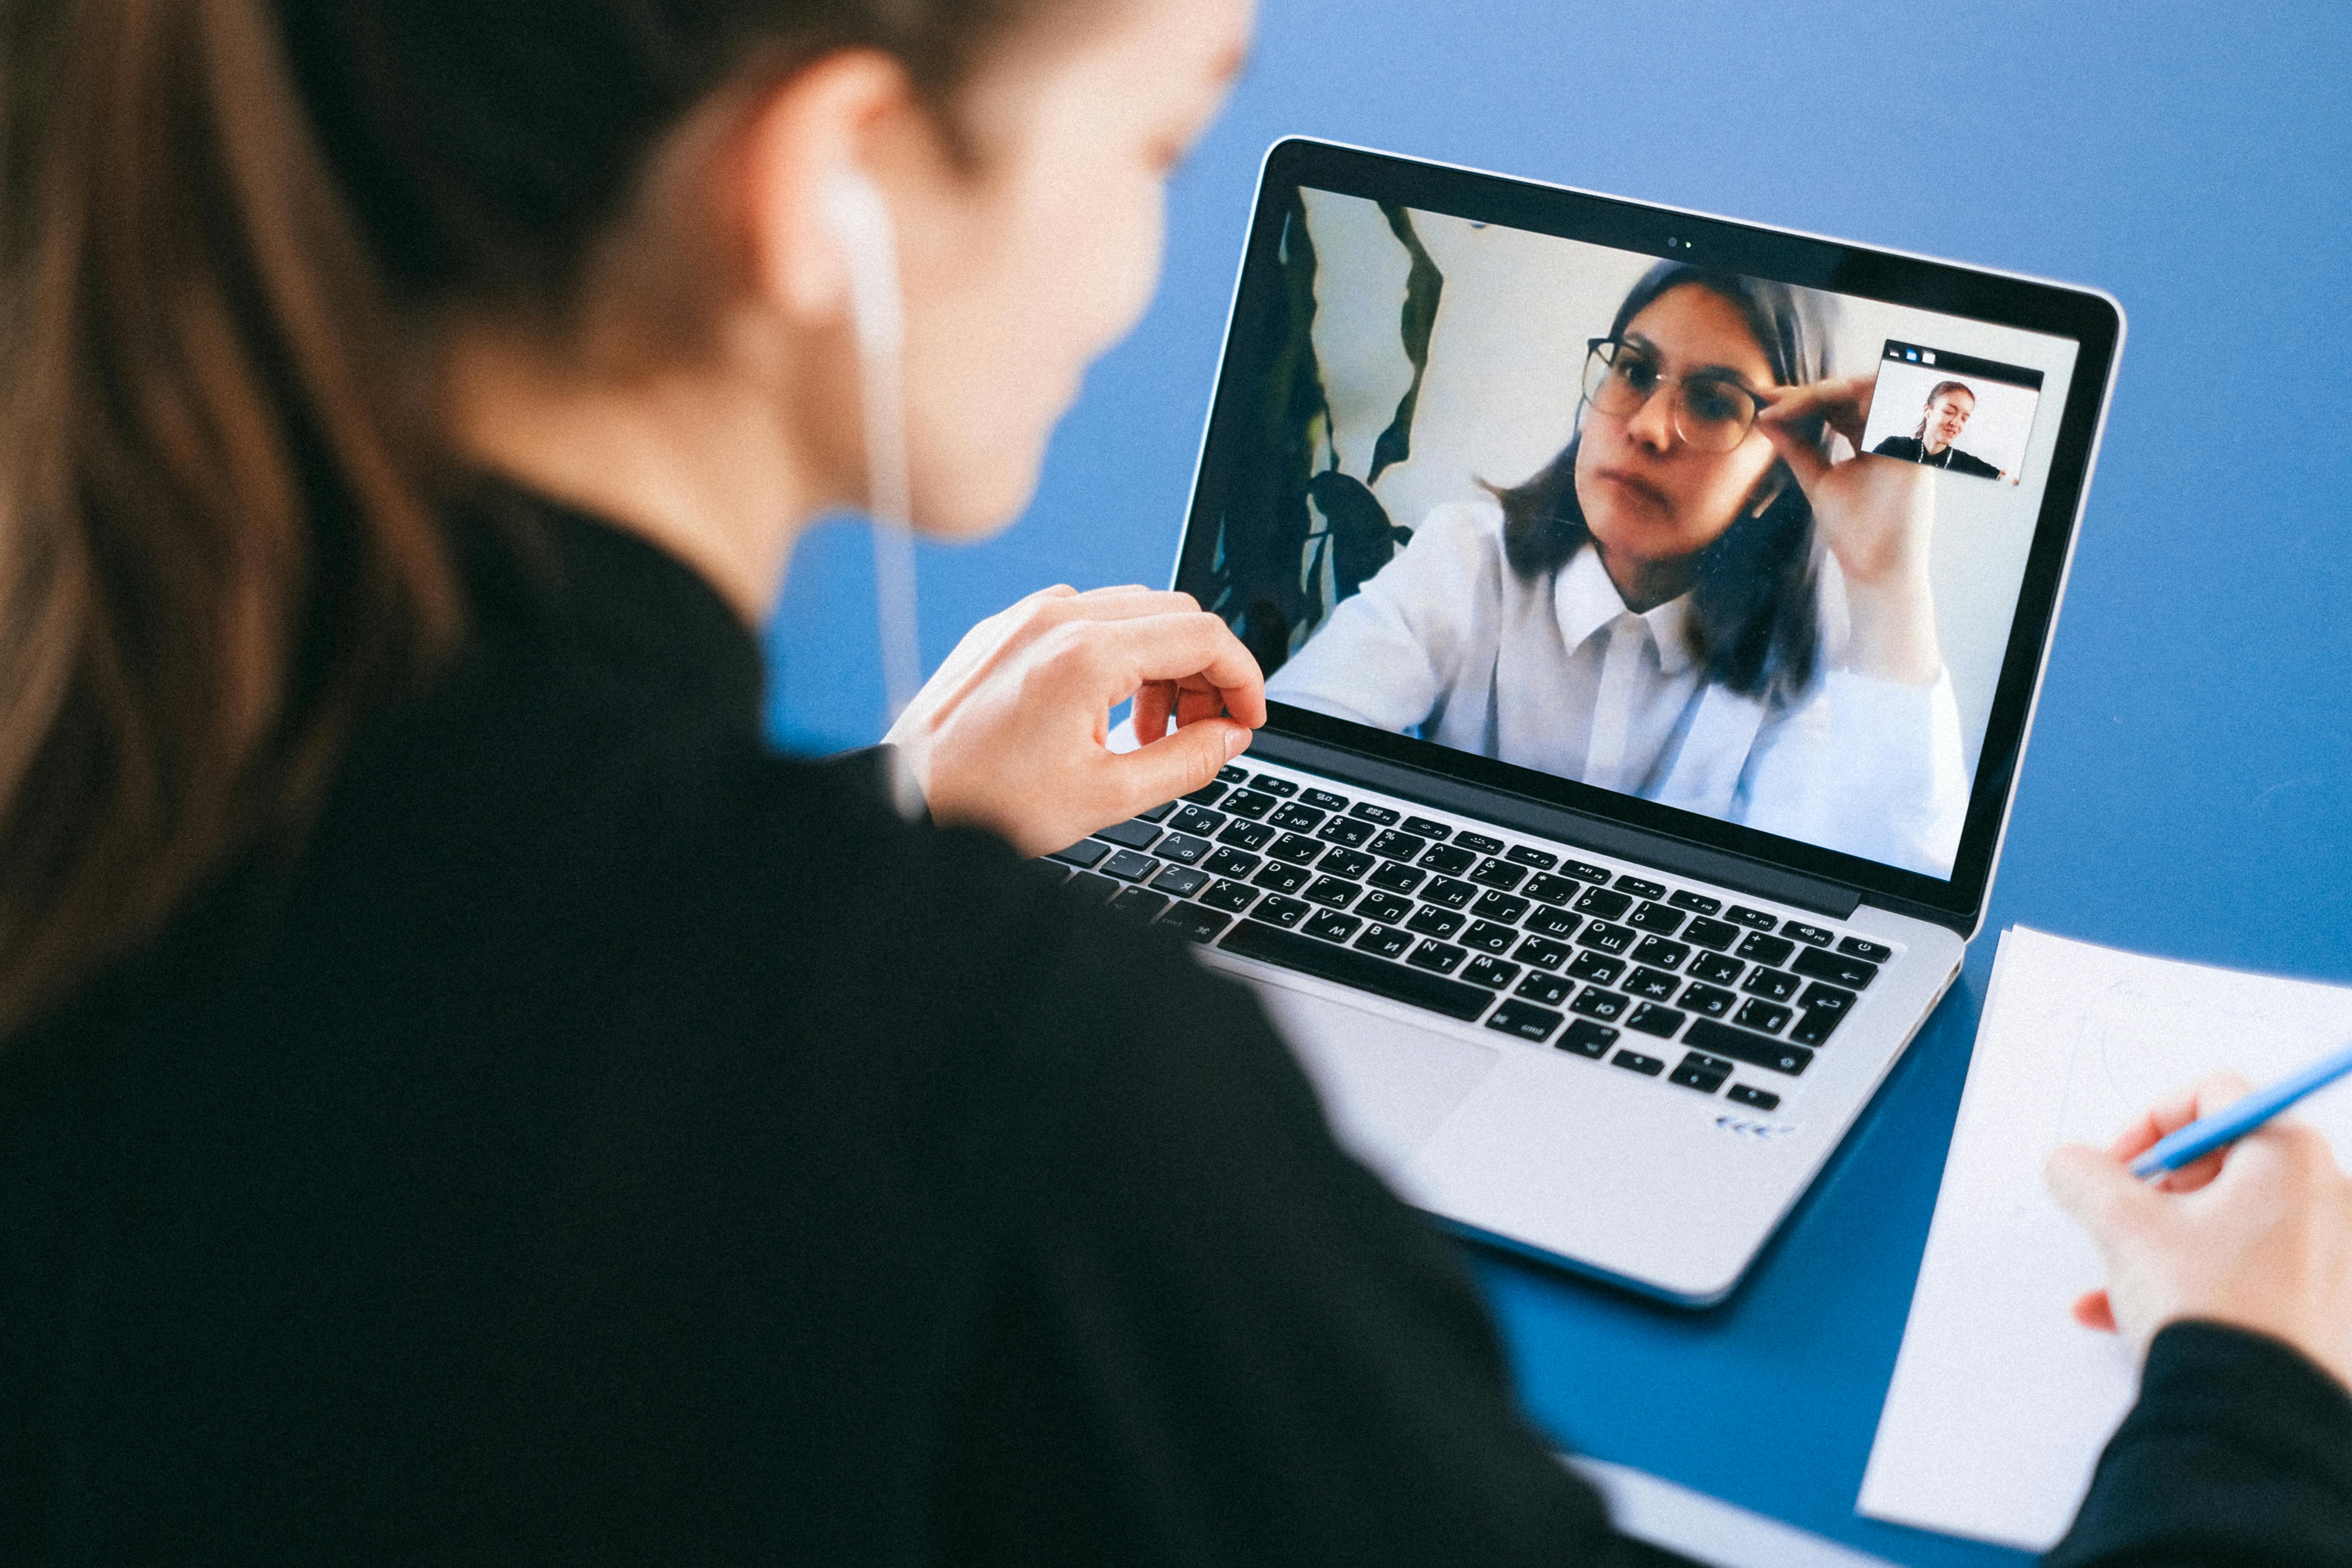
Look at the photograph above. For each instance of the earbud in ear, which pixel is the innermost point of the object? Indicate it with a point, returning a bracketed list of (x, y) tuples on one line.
[(860, 219)]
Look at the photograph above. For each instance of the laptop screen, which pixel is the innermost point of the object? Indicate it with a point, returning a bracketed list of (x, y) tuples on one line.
[(1636, 520)]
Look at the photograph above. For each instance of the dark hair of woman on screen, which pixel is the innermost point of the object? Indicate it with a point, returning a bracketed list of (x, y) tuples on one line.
[(462, 1097)]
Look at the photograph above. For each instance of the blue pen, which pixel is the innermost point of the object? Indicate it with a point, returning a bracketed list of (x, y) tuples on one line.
[(2207, 1134)]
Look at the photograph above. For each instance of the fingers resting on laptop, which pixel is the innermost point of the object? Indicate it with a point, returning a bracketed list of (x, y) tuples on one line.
[(2258, 1236), (1013, 733)]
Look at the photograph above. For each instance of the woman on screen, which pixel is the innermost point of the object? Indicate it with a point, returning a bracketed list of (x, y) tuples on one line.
[(1691, 604), (1946, 415)]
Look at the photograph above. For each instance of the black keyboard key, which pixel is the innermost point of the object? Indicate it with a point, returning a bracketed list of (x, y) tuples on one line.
[(1588, 1039), (1608, 938), (1435, 922), (1490, 972), (1333, 893), (1654, 983), (1500, 907), (1180, 882), (1702, 1072), (1136, 834), (1526, 1020), (1814, 1028), (1824, 997), (1716, 969), (1428, 829), (1756, 919), (1184, 849), (1351, 967), (1140, 903), (1297, 848), (1230, 896), (1657, 917), (1541, 860), (1551, 990), (1698, 904), (1758, 1014), (1549, 889), (1585, 871), (1773, 984), (1600, 970), (1282, 878), (1500, 874), (1755, 1050), (1273, 786), (1194, 923), (1437, 957), (1209, 793), (1478, 843), (1868, 952), (1192, 819), (1046, 871), (1385, 908), (1711, 1000), (1130, 867), (1250, 802), (1854, 974), (1297, 818), (1653, 1019), (1379, 816), (1231, 863), (1346, 830), (1635, 1061), (1090, 888), (1755, 1096), (1086, 854), (1602, 902), (1397, 845), (1819, 936), (1397, 876), (1489, 937), (1247, 834), (1350, 863), (1324, 800), (1332, 926), (1231, 774), (1277, 910), (1386, 941), (1658, 951), (1595, 1002), (1716, 934), (1454, 894), (1640, 888), (1448, 859), (1765, 949), (1549, 922), (1543, 951)]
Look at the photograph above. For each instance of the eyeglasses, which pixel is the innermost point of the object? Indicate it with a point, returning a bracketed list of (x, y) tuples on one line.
[(1711, 412)]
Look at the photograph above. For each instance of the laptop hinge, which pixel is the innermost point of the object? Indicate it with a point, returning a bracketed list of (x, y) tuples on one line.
[(1822, 897)]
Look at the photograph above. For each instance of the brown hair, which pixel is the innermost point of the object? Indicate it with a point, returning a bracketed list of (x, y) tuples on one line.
[(225, 228)]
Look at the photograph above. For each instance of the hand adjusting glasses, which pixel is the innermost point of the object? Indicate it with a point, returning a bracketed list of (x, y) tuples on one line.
[(1712, 411)]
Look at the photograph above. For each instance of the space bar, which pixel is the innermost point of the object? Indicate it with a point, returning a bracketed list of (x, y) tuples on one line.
[(1253, 939)]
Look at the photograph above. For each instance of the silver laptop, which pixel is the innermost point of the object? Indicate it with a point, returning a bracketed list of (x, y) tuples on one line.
[(1641, 745)]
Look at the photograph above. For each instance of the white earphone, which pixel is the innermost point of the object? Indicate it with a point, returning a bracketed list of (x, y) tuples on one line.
[(860, 219)]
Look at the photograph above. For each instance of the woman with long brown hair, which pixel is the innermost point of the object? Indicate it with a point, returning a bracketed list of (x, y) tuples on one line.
[(461, 1097)]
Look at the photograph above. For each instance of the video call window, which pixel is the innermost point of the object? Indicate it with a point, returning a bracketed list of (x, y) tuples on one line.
[(1953, 411)]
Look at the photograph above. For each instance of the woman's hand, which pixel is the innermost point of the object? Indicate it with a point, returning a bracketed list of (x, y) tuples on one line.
[(1877, 515), (1012, 733), (2258, 1236)]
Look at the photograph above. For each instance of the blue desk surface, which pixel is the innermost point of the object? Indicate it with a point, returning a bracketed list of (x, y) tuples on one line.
[(2189, 787)]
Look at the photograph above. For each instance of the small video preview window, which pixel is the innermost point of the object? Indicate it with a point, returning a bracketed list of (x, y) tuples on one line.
[(1953, 411)]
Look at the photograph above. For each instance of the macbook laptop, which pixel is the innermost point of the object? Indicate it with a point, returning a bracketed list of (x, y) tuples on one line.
[(1653, 607)]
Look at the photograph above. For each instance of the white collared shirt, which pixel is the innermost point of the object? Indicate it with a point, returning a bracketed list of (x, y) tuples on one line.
[(1555, 673)]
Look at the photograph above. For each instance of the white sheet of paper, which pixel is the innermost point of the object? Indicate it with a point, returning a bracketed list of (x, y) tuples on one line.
[(2001, 1403)]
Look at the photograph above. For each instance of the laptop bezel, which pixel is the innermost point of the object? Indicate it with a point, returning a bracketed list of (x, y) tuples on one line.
[(2093, 320)]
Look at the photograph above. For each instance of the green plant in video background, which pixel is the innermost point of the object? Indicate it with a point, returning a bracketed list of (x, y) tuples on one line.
[(1320, 531)]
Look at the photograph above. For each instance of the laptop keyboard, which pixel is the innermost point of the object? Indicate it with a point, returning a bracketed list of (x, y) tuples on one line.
[(1671, 982)]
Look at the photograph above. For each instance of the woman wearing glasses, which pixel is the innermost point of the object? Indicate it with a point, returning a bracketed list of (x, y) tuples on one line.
[(1649, 614)]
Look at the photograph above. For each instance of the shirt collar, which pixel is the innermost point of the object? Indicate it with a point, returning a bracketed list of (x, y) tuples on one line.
[(1585, 600)]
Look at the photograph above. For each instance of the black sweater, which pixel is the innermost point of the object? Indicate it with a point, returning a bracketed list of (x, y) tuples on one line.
[(613, 1143)]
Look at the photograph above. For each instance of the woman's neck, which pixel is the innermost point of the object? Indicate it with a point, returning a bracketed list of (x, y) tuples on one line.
[(1646, 584)]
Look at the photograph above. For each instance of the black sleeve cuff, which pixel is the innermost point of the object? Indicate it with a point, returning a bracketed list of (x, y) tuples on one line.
[(2239, 1451), (875, 768)]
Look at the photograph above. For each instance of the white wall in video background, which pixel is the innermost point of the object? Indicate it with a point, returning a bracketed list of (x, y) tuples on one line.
[(1506, 357), (1999, 431)]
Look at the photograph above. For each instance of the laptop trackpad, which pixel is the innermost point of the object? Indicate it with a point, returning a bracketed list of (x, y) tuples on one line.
[(1386, 1085)]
